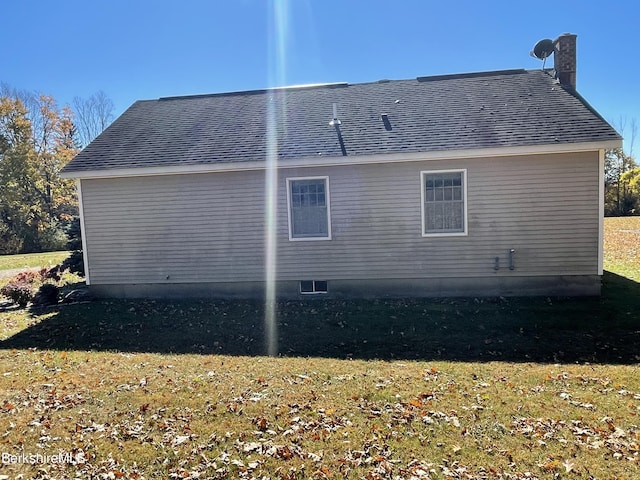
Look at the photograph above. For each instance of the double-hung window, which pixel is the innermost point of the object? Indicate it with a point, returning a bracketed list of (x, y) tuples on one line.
[(309, 210), (444, 202)]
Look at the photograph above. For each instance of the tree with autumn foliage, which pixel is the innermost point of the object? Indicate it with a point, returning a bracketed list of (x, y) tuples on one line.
[(631, 180), (621, 197), (17, 176), (37, 139), (622, 173)]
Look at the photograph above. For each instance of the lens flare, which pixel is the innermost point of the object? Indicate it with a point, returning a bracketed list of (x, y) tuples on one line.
[(276, 113)]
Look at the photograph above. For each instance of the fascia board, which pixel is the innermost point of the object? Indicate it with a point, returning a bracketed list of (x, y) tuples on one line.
[(350, 160)]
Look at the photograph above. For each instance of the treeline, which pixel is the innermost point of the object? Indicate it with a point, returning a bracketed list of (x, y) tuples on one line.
[(37, 139), (622, 184)]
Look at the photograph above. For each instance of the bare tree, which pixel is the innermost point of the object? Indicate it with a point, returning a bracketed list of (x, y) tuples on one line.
[(630, 133), (92, 115), (632, 137), (31, 101)]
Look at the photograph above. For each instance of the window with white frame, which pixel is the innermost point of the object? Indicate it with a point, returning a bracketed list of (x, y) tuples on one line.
[(308, 287), (309, 211), (444, 202)]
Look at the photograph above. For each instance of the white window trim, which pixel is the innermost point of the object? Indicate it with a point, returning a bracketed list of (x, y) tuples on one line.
[(423, 175), (289, 213)]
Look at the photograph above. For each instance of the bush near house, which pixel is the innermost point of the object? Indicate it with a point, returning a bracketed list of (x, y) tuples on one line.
[(40, 287), (22, 288), (18, 292)]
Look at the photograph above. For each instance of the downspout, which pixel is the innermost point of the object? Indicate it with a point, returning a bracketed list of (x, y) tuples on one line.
[(83, 230), (601, 212)]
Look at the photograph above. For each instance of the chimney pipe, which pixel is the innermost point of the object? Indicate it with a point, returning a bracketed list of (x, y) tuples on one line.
[(564, 59)]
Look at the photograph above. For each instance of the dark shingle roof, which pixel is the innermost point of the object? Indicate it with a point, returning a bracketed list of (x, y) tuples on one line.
[(480, 110)]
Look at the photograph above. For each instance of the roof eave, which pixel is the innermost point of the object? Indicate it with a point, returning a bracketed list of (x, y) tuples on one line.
[(350, 160)]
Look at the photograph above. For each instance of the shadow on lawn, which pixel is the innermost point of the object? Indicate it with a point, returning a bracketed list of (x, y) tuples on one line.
[(605, 330)]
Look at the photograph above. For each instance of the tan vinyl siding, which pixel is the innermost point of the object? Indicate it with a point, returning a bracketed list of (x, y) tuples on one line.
[(210, 227)]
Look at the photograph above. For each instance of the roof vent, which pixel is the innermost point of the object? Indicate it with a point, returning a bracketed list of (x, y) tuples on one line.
[(335, 120), (385, 119)]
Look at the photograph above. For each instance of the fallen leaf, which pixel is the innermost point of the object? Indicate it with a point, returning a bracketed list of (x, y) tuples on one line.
[(568, 466)]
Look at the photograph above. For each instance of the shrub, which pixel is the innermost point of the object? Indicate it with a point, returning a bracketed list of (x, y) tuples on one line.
[(22, 288), (33, 278), (47, 295), (74, 235), (75, 262), (17, 292)]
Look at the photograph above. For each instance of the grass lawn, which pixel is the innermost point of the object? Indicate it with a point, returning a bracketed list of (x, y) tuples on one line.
[(31, 260), (622, 246), (512, 389)]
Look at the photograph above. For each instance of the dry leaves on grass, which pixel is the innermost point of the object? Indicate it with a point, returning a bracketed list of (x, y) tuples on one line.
[(622, 243), (153, 416)]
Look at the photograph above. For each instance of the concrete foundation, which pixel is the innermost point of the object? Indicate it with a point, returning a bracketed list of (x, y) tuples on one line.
[(585, 285)]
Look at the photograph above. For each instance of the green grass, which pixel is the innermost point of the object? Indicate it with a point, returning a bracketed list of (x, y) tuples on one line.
[(32, 260), (622, 246), (512, 389), (170, 416)]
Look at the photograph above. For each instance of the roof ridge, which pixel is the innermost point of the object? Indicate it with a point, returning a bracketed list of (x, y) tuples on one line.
[(309, 86), (490, 73)]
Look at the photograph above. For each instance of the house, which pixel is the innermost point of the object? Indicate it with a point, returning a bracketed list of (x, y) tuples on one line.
[(484, 183)]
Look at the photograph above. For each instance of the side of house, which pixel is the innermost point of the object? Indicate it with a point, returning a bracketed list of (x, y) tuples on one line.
[(478, 225), (485, 183)]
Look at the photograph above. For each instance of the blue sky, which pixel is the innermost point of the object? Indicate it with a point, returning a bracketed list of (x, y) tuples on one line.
[(148, 49)]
